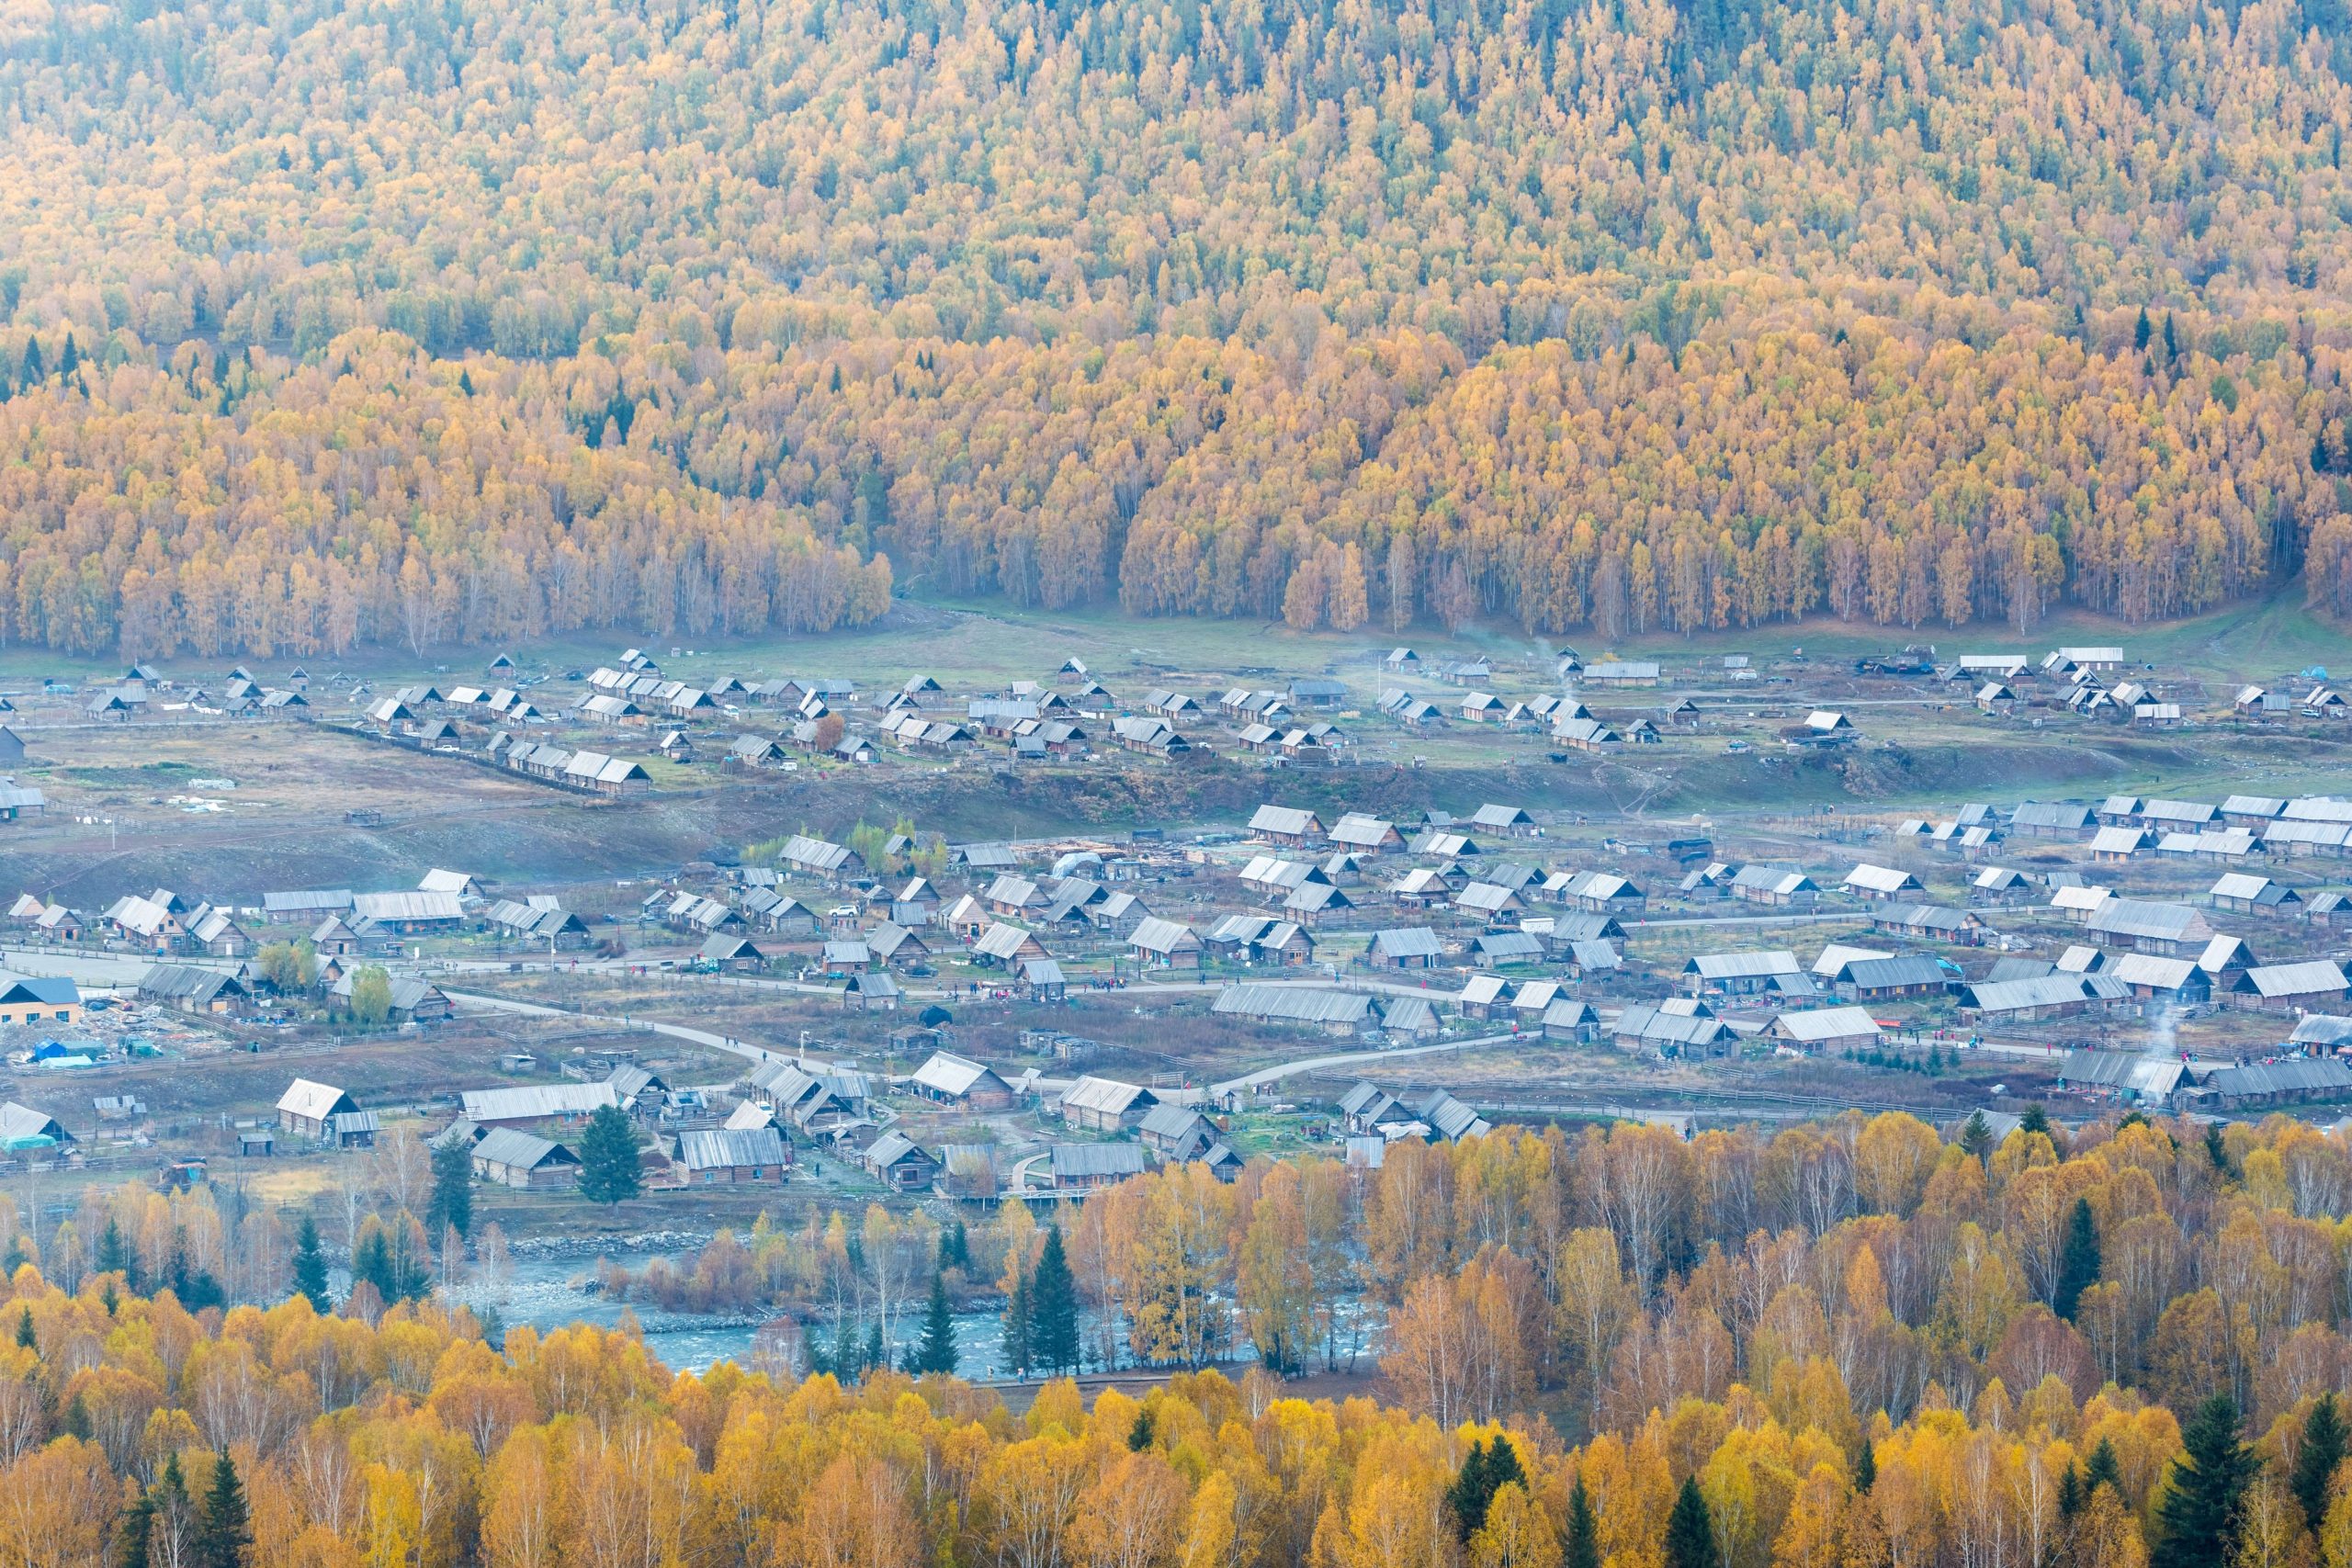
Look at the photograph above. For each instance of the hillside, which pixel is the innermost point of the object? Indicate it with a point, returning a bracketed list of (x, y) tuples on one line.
[(329, 322)]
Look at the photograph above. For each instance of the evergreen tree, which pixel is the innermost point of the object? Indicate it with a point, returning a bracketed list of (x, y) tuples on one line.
[(2322, 1451), (31, 373), (1866, 1467), (1468, 1495), (1053, 1308), (412, 1266), (1583, 1546), (371, 1263), (2198, 1520), (1016, 1324), (1976, 1137), (112, 1259), (2103, 1469), (2172, 341), (225, 1533), (842, 1362), (1486, 1469), (936, 1353), (311, 1268), (25, 1338), (2035, 1120), (1690, 1533), (2215, 1150), (133, 1531), (171, 1514), (877, 1355), (2141, 329), (2070, 1492), (2078, 1261), (452, 1204), (1141, 1435), (610, 1168), (70, 360)]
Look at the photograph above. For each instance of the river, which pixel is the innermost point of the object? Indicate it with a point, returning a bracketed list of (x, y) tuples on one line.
[(546, 1293)]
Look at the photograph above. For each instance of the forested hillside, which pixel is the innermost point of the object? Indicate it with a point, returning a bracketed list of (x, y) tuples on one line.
[(322, 322)]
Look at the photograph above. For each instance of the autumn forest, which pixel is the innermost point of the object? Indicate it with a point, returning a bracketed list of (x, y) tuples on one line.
[(1855, 1344), (325, 321)]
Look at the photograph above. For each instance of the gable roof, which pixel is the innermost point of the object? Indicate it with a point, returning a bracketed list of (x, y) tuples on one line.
[(314, 1101), (1810, 1025), (1743, 966), (946, 1073), (1107, 1096), (519, 1150)]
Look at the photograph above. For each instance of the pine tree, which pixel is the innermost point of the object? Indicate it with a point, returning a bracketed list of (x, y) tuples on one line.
[(1583, 1549), (842, 1362), (1976, 1137), (936, 1353), (2070, 1492), (452, 1203), (2141, 331), (112, 1259), (2078, 1261), (1866, 1467), (2172, 341), (2215, 1150), (171, 1513), (27, 1339), (1141, 1435), (1690, 1533), (2198, 1520), (877, 1355), (2322, 1451), (371, 1263), (1016, 1324), (1469, 1495), (1053, 1308), (1486, 1470), (70, 360), (2103, 1469), (610, 1169), (225, 1533), (134, 1531), (31, 374), (311, 1268), (2035, 1120)]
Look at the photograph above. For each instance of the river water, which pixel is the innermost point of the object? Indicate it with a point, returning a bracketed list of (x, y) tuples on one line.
[(546, 1293)]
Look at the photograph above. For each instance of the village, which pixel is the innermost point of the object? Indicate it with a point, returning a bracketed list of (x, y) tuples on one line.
[(887, 1011)]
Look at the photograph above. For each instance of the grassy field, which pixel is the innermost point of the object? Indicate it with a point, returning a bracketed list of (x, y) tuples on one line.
[(970, 640)]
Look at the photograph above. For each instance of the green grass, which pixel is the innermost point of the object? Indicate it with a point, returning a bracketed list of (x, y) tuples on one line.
[(2257, 640), (974, 640)]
